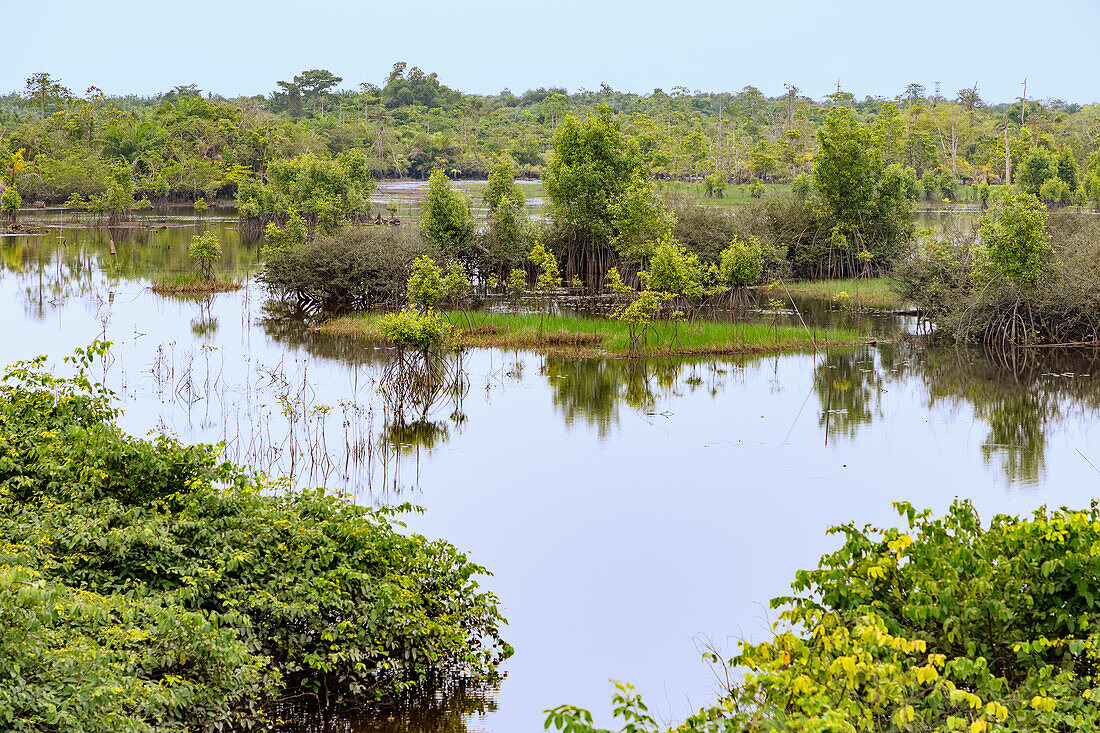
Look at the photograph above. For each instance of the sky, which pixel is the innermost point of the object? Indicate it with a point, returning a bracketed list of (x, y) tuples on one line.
[(236, 47)]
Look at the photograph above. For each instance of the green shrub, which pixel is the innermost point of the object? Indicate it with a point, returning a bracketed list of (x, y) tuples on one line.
[(147, 586), (10, 203), (742, 263), (802, 185), (1056, 192), (756, 189), (204, 251), (715, 184), (354, 267), (412, 329), (1015, 236), (941, 625)]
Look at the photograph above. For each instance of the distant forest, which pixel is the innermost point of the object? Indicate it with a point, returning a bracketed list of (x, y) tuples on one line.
[(187, 143)]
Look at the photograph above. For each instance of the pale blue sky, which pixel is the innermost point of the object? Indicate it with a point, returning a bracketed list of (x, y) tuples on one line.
[(483, 46)]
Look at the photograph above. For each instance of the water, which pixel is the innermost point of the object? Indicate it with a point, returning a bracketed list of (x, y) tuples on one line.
[(630, 511)]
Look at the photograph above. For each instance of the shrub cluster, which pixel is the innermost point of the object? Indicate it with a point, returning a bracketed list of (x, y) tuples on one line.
[(942, 625), (1026, 277), (146, 586), (357, 266)]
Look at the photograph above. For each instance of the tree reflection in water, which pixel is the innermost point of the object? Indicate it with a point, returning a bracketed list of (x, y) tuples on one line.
[(446, 707)]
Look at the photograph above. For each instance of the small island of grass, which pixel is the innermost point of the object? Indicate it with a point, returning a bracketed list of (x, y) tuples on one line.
[(189, 283), (592, 336)]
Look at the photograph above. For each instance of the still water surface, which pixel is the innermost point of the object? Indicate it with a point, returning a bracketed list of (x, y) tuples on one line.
[(628, 510)]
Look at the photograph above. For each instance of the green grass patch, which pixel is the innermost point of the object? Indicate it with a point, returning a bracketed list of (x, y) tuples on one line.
[(875, 292), (735, 194), (190, 283), (588, 336)]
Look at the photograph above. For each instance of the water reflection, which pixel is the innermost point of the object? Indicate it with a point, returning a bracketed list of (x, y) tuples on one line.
[(578, 482), (453, 707)]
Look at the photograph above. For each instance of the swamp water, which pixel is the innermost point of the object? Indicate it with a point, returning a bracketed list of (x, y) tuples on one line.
[(629, 510)]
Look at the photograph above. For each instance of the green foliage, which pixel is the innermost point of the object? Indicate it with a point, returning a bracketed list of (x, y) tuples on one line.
[(356, 266), (507, 241), (428, 284), (715, 184), (200, 206), (867, 204), (942, 625), (517, 280), (549, 276), (425, 285), (292, 234), (1037, 168), (1092, 187), (10, 202), (1056, 192), (675, 271), (597, 187), (423, 331), (445, 219), (323, 191), (756, 189), (147, 586), (742, 263), (204, 251), (802, 185), (1014, 235), (639, 314), (1066, 168), (502, 184)]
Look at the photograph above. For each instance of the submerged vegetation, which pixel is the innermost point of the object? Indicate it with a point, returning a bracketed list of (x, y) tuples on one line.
[(148, 586)]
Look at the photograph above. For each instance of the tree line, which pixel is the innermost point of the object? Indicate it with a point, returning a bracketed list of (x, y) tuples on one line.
[(183, 145)]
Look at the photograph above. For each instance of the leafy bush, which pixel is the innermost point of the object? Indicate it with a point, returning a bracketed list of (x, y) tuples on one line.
[(715, 184), (742, 262), (802, 184), (409, 328), (756, 189), (942, 625), (355, 266), (325, 192), (445, 219), (10, 203), (147, 586), (204, 251), (1056, 192), (675, 271), (1015, 236)]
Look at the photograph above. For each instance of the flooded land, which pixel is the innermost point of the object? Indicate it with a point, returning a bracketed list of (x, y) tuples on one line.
[(631, 511)]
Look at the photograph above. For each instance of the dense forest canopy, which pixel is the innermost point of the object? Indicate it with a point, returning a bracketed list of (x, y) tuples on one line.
[(184, 144)]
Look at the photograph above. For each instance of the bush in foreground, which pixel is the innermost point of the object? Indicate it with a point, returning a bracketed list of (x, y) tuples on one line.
[(146, 586), (945, 625)]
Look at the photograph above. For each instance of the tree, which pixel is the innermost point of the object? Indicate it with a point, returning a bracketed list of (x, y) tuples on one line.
[(205, 250), (593, 165), (1037, 167), (1014, 235), (314, 85), (43, 89), (502, 183), (445, 217), (1066, 166), (867, 204), (9, 203)]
